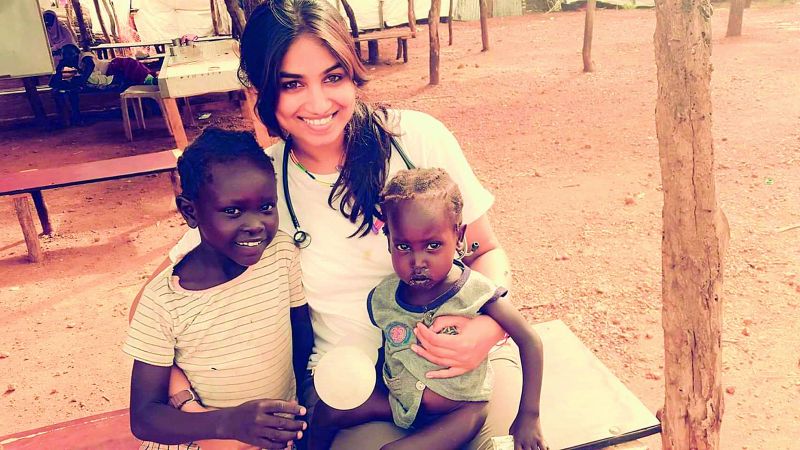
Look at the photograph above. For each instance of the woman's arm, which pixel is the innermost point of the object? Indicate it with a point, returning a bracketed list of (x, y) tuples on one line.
[(466, 351)]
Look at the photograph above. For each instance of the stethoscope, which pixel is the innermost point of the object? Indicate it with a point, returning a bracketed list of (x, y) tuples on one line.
[(302, 238)]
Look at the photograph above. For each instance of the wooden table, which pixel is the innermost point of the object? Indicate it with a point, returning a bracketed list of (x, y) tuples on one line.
[(206, 68)]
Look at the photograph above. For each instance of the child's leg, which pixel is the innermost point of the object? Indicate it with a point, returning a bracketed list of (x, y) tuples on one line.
[(450, 431), (327, 421)]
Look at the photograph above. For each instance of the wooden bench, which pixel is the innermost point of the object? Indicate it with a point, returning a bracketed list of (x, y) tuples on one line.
[(34, 181), (584, 407), (372, 37)]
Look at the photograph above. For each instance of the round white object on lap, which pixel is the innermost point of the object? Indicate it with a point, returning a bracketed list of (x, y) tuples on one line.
[(344, 377)]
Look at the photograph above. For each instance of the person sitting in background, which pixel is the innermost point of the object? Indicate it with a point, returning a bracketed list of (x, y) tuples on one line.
[(58, 34), (91, 73)]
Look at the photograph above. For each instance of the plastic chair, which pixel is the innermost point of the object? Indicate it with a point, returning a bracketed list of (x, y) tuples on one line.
[(137, 93)]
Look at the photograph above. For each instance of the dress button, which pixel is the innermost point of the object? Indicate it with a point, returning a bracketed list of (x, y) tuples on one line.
[(420, 386)]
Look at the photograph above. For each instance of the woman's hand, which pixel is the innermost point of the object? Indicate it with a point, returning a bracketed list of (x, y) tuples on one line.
[(458, 353)]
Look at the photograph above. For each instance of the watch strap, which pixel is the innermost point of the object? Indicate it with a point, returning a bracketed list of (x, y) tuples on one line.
[(181, 398)]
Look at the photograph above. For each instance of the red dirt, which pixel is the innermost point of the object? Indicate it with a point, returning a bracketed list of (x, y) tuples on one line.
[(573, 161)]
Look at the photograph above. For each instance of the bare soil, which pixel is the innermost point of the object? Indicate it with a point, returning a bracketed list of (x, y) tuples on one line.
[(573, 161)]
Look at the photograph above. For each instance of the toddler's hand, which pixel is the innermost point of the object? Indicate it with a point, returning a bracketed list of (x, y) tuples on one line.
[(258, 423), (527, 432)]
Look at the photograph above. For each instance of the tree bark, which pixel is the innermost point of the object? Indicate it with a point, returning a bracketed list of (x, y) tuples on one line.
[(450, 23), (588, 28), (86, 38), (695, 231), (484, 25), (112, 16), (351, 18), (735, 18), (433, 33), (214, 18), (102, 22), (238, 18), (412, 18)]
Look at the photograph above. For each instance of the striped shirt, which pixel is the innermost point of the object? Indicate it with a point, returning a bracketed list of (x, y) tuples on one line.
[(233, 341)]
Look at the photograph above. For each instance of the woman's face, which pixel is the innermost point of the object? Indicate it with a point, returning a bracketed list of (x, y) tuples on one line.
[(317, 96)]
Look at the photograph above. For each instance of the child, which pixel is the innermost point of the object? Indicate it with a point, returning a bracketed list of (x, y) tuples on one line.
[(422, 210), (228, 314)]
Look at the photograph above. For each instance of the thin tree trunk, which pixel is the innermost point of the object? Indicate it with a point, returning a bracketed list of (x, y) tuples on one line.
[(112, 16), (735, 18), (588, 28), (484, 24), (214, 18), (351, 18), (433, 33), (695, 231), (86, 38), (102, 22), (412, 18), (450, 24), (238, 18)]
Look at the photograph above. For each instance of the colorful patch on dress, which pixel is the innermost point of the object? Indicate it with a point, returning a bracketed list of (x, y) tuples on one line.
[(398, 334)]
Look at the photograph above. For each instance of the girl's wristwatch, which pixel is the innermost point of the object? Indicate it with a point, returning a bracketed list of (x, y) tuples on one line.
[(181, 398)]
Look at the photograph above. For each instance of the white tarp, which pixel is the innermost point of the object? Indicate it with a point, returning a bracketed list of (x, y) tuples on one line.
[(168, 19)]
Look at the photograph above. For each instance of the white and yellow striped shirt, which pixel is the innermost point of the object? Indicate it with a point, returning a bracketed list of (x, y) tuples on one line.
[(233, 341)]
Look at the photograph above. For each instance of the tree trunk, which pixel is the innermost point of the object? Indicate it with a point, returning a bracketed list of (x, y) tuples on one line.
[(412, 18), (214, 18), (695, 231), (102, 22), (450, 24), (747, 3), (484, 24), (433, 32), (351, 17), (588, 28), (735, 18), (112, 16), (238, 18), (86, 38)]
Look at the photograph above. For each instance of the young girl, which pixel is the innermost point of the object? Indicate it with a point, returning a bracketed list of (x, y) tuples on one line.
[(231, 314), (422, 209)]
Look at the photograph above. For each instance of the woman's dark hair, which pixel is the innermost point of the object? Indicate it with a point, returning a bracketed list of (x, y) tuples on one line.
[(269, 32), (216, 146)]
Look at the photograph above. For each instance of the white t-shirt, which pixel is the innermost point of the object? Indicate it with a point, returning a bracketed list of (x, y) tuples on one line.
[(339, 272)]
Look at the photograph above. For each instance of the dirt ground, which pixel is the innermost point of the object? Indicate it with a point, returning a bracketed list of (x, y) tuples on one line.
[(573, 161)]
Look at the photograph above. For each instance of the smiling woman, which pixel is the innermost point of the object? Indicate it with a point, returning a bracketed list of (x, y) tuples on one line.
[(299, 57)]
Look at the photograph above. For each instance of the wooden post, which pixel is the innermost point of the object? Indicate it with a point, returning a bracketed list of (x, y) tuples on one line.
[(33, 98), (41, 211), (433, 35), (214, 17), (112, 17), (695, 232), (412, 18), (484, 12), (23, 208), (588, 27), (351, 17), (238, 18), (248, 106), (86, 39), (735, 18), (450, 24), (100, 19)]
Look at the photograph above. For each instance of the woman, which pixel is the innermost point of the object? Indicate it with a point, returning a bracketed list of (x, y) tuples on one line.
[(335, 155), (57, 33)]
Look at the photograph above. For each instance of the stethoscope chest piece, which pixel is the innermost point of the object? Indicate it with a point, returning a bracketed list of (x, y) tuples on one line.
[(301, 239)]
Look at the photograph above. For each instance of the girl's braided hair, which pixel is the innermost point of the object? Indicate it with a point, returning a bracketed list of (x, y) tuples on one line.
[(425, 184)]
